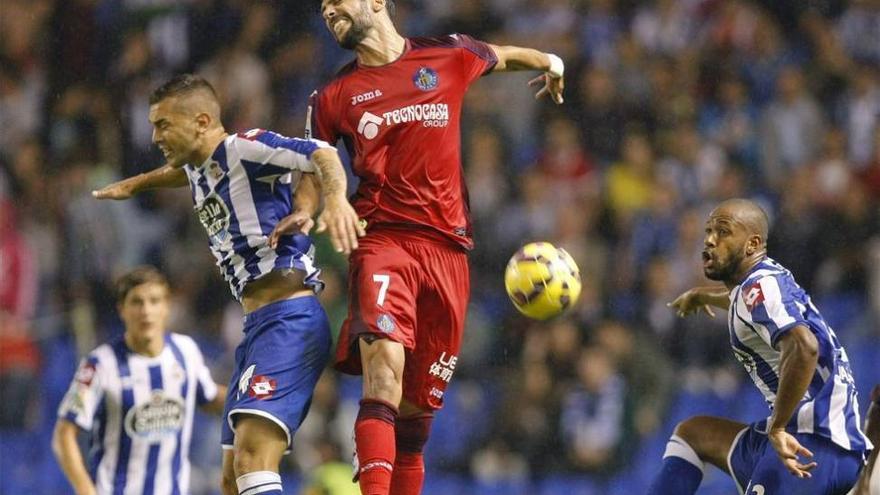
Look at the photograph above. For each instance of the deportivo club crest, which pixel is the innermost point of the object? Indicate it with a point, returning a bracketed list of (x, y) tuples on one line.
[(426, 79)]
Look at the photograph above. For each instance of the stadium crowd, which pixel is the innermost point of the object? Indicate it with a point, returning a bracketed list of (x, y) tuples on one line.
[(671, 106)]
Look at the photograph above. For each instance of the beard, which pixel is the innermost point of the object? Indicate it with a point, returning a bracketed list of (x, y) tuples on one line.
[(359, 26), (724, 272)]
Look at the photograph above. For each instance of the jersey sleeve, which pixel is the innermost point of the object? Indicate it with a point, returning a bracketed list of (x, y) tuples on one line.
[(321, 124), (281, 151), (478, 58), (84, 395), (206, 388), (771, 303)]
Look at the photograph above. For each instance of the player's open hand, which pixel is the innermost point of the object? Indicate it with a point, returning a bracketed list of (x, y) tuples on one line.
[(552, 86), (296, 222), (123, 189), (343, 224), (789, 451), (691, 302)]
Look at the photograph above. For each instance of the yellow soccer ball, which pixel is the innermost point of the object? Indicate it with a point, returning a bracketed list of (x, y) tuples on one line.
[(542, 280)]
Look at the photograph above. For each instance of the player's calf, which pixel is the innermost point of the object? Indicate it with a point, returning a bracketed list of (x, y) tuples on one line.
[(411, 435)]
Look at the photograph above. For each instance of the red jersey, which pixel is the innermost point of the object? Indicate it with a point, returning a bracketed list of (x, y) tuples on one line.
[(400, 123)]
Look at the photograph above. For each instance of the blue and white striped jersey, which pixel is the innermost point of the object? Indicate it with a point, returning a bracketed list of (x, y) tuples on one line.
[(241, 192), (762, 309), (139, 411)]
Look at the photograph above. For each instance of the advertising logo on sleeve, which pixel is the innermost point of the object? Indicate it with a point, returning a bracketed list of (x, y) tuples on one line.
[(85, 374), (753, 296)]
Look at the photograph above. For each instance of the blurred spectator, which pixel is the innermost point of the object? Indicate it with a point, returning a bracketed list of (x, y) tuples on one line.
[(692, 167), (600, 28), (20, 364), (791, 130), (665, 26), (629, 181), (600, 114), (859, 28), (592, 417), (732, 123), (647, 371), (859, 113), (567, 169)]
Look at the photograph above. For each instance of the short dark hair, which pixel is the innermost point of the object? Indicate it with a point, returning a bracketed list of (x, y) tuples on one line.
[(181, 84), (389, 6), (139, 276)]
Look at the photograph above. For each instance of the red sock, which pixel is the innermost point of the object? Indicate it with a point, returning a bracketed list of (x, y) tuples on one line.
[(409, 466), (409, 474), (374, 440)]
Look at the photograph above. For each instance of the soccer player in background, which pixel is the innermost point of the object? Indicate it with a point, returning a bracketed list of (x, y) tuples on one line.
[(135, 396), (397, 108), (241, 187), (812, 443)]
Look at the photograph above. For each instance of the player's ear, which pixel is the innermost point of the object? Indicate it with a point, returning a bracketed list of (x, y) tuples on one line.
[(754, 245), (377, 5), (203, 121)]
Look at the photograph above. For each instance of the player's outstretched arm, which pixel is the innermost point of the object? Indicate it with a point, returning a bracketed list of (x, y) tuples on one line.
[(511, 58), (797, 364), (338, 217), (701, 299), (66, 450), (165, 176)]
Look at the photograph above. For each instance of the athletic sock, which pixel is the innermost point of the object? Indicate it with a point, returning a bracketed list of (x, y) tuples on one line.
[(681, 472), (409, 474), (259, 483), (374, 441), (409, 467)]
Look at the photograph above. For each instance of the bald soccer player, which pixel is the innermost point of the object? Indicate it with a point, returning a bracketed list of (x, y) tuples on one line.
[(812, 442)]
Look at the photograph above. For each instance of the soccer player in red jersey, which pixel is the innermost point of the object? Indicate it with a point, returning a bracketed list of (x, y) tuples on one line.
[(397, 108)]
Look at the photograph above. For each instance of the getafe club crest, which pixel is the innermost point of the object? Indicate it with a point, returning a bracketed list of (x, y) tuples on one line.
[(385, 323), (426, 79)]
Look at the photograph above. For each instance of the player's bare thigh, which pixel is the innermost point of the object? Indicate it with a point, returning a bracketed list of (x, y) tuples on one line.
[(383, 361), (710, 437), (259, 445)]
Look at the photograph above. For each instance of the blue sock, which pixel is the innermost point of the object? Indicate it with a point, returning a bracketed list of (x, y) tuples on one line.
[(259, 483), (682, 470)]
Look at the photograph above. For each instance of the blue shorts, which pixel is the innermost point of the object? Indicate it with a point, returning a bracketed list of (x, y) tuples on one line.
[(285, 349), (754, 464)]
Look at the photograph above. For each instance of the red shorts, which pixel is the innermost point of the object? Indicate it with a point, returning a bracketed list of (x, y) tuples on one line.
[(412, 287)]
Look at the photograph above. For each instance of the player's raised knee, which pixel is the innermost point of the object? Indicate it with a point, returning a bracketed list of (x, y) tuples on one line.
[(692, 429)]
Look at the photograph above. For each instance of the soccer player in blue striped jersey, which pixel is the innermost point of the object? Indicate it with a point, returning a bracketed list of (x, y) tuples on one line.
[(136, 396), (812, 442), (241, 187)]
